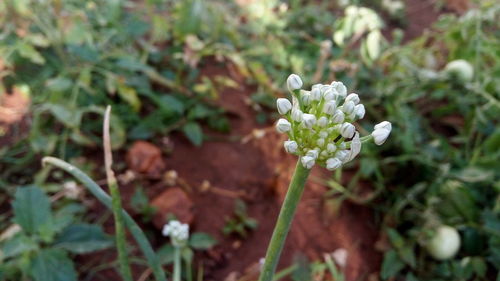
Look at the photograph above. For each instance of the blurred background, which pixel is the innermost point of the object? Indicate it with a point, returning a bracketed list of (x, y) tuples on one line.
[(193, 86)]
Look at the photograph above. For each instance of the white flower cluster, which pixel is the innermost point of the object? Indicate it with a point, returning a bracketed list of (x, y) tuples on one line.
[(177, 231), (319, 124)]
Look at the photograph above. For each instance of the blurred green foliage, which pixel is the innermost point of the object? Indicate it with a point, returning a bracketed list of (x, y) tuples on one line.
[(149, 60)]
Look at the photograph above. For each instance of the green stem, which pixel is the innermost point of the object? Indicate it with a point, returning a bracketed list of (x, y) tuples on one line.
[(97, 191), (284, 221), (121, 240), (177, 264)]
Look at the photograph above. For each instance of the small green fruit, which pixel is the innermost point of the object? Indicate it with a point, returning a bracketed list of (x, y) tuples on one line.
[(444, 244), (461, 69)]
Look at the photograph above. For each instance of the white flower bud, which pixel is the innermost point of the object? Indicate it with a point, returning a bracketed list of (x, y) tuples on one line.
[(307, 162), (316, 94), (338, 117), (331, 147), (329, 94), (380, 135), (320, 142), (340, 87), (359, 111), (352, 97), (347, 130), (323, 134), (333, 164), (348, 107), (290, 146), (322, 121), (324, 153), (385, 125), (294, 82), (283, 105), (342, 155), (283, 125), (313, 153), (306, 98), (308, 120), (297, 115), (330, 107)]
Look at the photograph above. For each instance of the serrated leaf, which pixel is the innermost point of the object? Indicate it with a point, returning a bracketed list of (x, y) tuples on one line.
[(202, 241), (193, 132), (32, 209), (17, 245), (83, 238), (52, 265)]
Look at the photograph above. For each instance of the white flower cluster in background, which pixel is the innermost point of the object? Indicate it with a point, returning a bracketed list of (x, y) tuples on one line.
[(319, 124), (177, 231)]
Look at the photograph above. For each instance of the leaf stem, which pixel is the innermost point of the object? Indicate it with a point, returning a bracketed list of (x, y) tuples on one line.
[(284, 221)]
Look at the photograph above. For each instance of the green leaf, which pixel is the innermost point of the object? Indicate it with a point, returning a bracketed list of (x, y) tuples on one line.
[(171, 104), (59, 84), (391, 265), (17, 245), (70, 117), (83, 238), (166, 254), (29, 52), (202, 241), (52, 265), (129, 95), (32, 209), (193, 132)]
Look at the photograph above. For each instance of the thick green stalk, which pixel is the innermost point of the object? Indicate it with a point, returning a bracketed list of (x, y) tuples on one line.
[(121, 241), (177, 264), (284, 221), (101, 195)]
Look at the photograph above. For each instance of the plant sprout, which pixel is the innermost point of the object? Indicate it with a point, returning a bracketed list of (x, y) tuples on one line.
[(320, 131)]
